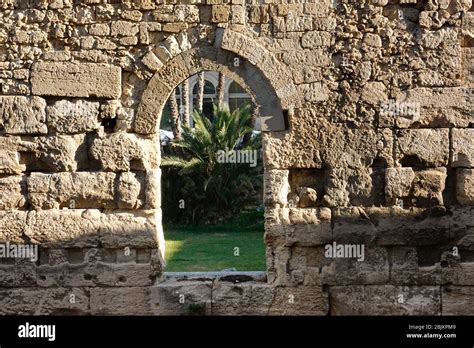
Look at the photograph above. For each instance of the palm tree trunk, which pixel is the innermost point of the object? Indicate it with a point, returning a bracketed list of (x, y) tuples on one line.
[(248, 136), (200, 92), (220, 89), (186, 103), (175, 120)]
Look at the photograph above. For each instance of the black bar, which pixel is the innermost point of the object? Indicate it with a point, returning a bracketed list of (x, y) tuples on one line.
[(291, 331)]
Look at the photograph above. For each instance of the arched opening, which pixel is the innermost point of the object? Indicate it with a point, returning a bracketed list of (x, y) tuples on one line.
[(267, 96), (212, 178)]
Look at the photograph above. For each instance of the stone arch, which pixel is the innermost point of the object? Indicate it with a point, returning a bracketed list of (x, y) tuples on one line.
[(248, 63)]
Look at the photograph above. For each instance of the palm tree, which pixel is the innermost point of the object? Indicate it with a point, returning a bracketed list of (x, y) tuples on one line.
[(174, 116), (220, 89), (200, 92), (223, 188), (186, 102)]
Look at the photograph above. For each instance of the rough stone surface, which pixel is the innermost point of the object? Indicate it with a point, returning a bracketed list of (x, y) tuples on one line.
[(465, 186), (63, 228), (384, 300), (12, 225), (12, 189), (120, 301), (463, 143), (182, 298), (59, 153), (458, 300), (72, 190), (22, 115), (54, 301), (423, 147), (123, 152), (69, 117), (129, 229), (76, 80), (366, 113)]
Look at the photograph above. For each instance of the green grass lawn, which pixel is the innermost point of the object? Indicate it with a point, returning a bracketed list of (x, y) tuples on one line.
[(194, 248)]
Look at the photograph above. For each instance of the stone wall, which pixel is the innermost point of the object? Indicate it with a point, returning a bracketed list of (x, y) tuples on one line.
[(367, 108)]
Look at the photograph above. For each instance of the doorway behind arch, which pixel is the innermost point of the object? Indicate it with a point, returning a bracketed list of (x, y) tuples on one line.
[(233, 242)]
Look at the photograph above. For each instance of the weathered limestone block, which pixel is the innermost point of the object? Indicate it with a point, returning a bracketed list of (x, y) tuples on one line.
[(152, 62), (276, 187), (408, 267), (364, 186), (428, 187), (432, 39), (298, 226), (305, 265), (81, 80), (120, 301), (422, 147), (302, 300), (21, 273), (80, 116), (181, 298), (356, 147), (64, 228), (462, 226), (12, 190), (99, 29), (421, 188), (398, 182), (44, 301), (465, 186), (249, 298), (467, 57), (307, 197), (463, 273), (219, 14), (95, 274), (384, 300), (314, 92), (374, 93), (72, 190), (124, 28), (311, 57), (61, 153), (314, 141), (277, 265), (463, 145), (9, 156), (153, 189), (129, 188), (22, 115), (12, 225), (282, 151), (371, 268), (314, 39), (137, 229), (122, 152), (458, 300), (391, 226), (439, 107)]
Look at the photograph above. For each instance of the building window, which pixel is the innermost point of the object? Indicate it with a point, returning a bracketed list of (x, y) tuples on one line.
[(238, 97)]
